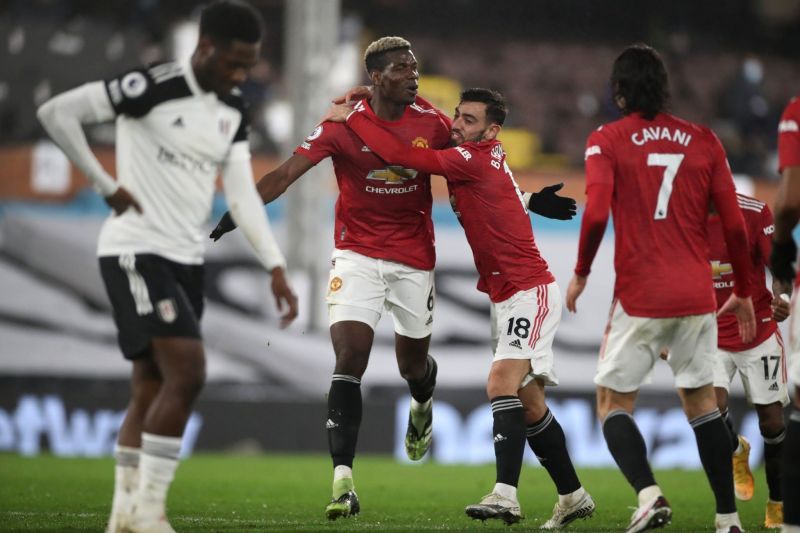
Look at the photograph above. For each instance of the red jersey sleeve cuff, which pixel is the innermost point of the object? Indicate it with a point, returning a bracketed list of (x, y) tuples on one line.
[(582, 271)]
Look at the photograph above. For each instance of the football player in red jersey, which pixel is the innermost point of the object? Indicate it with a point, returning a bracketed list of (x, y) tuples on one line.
[(527, 300), (784, 253), (658, 173), (383, 259), (761, 363)]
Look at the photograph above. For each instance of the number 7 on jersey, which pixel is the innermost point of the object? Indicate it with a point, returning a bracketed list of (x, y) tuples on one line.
[(672, 162)]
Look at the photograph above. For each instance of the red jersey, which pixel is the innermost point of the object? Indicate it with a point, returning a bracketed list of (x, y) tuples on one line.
[(659, 176), (758, 219), (486, 200), (383, 211), (789, 136), (789, 142)]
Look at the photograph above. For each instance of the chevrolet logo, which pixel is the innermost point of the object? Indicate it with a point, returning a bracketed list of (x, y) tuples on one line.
[(720, 269), (394, 174)]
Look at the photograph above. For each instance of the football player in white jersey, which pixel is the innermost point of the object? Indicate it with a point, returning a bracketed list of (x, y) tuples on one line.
[(178, 126)]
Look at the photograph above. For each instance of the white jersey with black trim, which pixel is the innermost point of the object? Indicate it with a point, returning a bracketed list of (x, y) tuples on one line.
[(172, 140)]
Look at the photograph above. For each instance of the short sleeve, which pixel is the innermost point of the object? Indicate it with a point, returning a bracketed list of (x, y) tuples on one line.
[(721, 177), (765, 229), (599, 158), (321, 143), (459, 163), (132, 93), (789, 136)]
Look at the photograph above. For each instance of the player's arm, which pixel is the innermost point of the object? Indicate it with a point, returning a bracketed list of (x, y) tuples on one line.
[(787, 214), (63, 117), (391, 149), (269, 187), (248, 212), (599, 192)]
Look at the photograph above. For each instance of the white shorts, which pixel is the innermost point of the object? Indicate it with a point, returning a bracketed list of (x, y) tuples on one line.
[(360, 288), (794, 340), (631, 346), (762, 369), (524, 327)]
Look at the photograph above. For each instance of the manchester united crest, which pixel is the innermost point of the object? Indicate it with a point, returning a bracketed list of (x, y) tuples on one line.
[(420, 142), (336, 284)]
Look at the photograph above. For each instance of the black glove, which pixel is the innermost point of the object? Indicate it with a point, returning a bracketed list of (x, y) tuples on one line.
[(550, 205), (781, 259), (225, 225)]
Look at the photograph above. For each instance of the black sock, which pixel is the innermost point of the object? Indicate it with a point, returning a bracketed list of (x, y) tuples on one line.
[(712, 436), (628, 449), (773, 446), (422, 389), (344, 418), (547, 440), (791, 471), (509, 438), (734, 436)]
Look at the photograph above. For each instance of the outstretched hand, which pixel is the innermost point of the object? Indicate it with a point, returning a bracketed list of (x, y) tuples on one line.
[(121, 200), (745, 316), (550, 205), (285, 299)]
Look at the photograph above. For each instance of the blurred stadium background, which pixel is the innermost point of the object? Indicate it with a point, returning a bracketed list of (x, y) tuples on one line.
[(63, 384)]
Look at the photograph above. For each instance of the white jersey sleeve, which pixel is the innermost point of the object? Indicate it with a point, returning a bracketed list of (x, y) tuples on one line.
[(63, 117), (246, 207)]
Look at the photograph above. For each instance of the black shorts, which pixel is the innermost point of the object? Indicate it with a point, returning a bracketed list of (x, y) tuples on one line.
[(152, 297)]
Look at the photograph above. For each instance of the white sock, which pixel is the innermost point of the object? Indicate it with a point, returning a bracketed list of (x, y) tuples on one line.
[(157, 466), (568, 500), (647, 494), (341, 472), (506, 491), (126, 478), (727, 520)]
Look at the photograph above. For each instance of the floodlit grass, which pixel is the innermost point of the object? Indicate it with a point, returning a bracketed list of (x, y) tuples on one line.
[(289, 493)]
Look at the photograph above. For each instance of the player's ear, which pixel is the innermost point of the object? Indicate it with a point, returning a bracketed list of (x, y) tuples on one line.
[(375, 77), (492, 132)]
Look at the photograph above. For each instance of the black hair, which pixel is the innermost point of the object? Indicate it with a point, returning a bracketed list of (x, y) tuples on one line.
[(378, 60), (496, 107), (640, 78), (228, 20)]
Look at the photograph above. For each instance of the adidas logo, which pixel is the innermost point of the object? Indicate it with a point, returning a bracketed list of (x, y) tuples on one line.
[(499, 438), (430, 321), (178, 123), (365, 148), (516, 344), (774, 386), (330, 424)]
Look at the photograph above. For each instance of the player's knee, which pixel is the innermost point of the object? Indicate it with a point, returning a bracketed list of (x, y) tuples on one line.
[(412, 369), (498, 387), (534, 412), (770, 422)]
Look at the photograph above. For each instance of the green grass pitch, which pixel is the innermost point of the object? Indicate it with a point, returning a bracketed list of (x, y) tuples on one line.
[(289, 493)]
